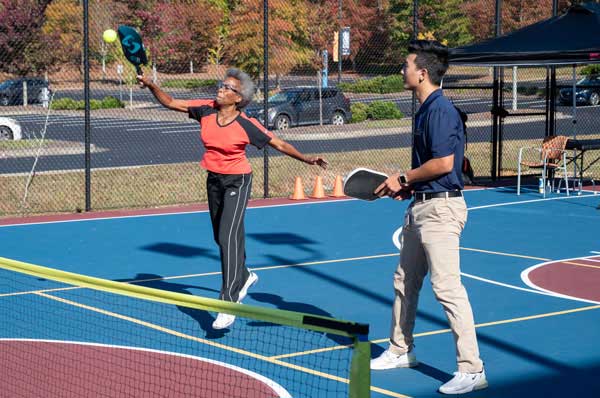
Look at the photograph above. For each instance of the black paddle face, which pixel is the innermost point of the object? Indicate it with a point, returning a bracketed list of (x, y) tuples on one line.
[(361, 183), (133, 48)]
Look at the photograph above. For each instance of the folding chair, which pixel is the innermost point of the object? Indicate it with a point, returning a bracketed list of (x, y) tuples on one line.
[(552, 156)]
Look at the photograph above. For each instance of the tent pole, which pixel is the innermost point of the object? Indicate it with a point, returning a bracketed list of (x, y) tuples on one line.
[(495, 104), (552, 94), (413, 102), (494, 160), (547, 101), (500, 121), (574, 121)]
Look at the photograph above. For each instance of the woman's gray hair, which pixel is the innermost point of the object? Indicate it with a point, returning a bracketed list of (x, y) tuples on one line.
[(246, 85)]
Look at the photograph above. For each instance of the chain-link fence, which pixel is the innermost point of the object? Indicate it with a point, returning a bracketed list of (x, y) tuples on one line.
[(354, 112)]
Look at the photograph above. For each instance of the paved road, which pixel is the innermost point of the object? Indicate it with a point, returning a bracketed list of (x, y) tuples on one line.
[(157, 136)]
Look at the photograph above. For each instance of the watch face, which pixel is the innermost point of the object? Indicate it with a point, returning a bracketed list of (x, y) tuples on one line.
[(402, 179)]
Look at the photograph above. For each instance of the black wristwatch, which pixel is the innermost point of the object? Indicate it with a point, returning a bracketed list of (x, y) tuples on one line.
[(402, 179)]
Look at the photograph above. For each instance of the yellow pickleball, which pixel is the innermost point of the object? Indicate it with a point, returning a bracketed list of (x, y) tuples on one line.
[(109, 35)]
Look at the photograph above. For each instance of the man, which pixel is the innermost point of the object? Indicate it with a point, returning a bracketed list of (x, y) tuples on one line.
[(433, 223)]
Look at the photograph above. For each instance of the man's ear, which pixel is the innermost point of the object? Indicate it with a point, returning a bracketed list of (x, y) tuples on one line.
[(423, 75)]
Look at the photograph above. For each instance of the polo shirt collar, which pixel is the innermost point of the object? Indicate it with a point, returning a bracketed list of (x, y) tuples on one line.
[(435, 94)]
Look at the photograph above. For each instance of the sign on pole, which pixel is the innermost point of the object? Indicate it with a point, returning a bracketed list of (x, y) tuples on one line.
[(335, 46), (325, 73), (346, 41)]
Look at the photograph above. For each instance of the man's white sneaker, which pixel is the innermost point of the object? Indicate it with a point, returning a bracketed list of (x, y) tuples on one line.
[(223, 321), (389, 360), (463, 383), (252, 279)]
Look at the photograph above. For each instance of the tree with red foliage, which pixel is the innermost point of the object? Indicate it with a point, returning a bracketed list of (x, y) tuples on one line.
[(24, 49), (361, 17), (516, 14)]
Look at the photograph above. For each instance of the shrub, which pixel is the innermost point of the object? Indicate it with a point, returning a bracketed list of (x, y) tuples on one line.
[(112, 102), (392, 84), (378, 85), (189, 83), (591, 70), (70, 104), (94, 104), (359, 112), (527, 90), (64, 103), (380, 110)]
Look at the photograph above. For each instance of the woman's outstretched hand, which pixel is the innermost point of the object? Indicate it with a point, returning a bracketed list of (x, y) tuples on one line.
[(318, 161)]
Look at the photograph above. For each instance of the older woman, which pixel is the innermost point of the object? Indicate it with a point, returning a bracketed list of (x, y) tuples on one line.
[(225, 132)]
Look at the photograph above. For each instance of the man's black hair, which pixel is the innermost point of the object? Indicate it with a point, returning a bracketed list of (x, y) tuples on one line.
[(431, 55)]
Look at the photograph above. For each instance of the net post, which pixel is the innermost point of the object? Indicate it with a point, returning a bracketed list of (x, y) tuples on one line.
[(360, 368)]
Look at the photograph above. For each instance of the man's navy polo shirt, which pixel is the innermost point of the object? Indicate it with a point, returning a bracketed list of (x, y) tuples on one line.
[(438, 133)]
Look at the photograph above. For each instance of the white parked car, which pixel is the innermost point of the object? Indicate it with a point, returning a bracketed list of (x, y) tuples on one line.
[(10, 129)]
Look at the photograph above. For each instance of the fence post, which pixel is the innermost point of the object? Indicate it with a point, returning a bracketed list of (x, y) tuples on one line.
[(514, 104), (24, 93)]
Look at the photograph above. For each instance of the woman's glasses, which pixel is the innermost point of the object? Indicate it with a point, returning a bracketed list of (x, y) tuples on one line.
[(227, 87)]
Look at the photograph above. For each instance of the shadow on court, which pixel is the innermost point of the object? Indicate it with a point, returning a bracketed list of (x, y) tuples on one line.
[(282, 304), (576, 382), (179, 250), (296, 241), (204, 318)]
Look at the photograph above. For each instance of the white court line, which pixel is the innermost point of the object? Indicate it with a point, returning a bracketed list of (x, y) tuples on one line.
[(396, 240), (261, 206), (123, 123), (525, 277), (107, 123), (193, 130), (160, 127), (277, 388), (256, 207), (395, 236), (592, 260), (529, 201)]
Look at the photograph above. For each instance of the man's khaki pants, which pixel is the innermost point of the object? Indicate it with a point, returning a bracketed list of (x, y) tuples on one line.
[(430, 239)]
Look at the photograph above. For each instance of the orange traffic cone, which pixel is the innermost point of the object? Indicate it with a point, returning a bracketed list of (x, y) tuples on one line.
[(318, 191), (298, 190), (338, 188)]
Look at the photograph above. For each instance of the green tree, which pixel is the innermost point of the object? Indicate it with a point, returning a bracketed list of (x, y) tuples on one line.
[(445, 19), (244, 45)]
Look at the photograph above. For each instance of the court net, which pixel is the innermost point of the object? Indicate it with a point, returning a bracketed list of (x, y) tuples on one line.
[(66, 334)]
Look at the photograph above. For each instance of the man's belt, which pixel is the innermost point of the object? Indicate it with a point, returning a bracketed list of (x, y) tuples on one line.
[(422, 196)]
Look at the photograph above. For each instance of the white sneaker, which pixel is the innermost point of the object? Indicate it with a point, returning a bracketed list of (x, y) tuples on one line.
[(463, 383), (223, 321), (389, 360), (252, 279)]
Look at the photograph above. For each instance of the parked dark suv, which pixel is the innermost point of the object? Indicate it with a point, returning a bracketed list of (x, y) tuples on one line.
[(11, 91), (301, 106), (589, 94)]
